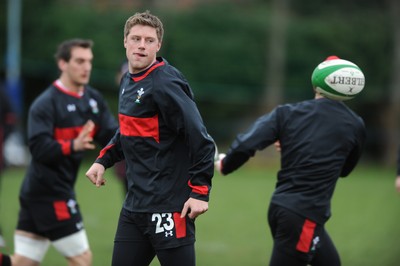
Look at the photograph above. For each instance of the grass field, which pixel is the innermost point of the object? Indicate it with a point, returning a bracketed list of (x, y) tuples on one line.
[(365, 224)]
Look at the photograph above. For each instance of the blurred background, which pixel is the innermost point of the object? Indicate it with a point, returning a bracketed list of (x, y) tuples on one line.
[(242, 57)]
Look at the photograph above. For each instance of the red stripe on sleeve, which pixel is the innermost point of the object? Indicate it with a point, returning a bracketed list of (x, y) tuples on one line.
[(69, 133), (306, 236), (139, 127), (104, 150), (180, 225), (203, 190), (61, 210), (65, 146), (65, 135)]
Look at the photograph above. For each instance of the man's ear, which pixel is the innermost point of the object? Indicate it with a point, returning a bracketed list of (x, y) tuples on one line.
[(61, 64)]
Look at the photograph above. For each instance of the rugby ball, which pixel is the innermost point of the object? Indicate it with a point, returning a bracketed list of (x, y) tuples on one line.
[(338, 79)]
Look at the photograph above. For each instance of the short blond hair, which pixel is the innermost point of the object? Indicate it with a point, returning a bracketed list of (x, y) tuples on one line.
[(145, 19)]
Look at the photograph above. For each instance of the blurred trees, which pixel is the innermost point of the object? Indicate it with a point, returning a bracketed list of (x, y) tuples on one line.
[(276, 54), (234, 53), (391, 114)]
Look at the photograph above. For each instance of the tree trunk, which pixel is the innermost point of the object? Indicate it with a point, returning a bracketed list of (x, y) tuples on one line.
[(391, 115), (276, 55)]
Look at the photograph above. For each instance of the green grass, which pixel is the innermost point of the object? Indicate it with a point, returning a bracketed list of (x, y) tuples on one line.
[(364, 226)]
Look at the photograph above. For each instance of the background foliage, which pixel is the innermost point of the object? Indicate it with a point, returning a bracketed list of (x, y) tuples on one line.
[(222, 48)]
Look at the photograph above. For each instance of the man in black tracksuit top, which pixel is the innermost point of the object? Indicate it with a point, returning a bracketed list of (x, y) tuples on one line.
[(55, 119), (51, 144), (156, 134), (62, 123), (320, 140), (168, 153)]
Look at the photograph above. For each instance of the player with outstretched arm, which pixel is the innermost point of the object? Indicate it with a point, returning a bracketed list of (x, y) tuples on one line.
[(320, 140)]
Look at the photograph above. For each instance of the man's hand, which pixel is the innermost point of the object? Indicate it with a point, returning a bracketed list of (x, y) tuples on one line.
[(84, 139), (397, 183), (96, 173), (194, 207), (277, 145)]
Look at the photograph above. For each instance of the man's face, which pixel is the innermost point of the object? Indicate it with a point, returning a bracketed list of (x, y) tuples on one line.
[(141, 46), (77, 70)]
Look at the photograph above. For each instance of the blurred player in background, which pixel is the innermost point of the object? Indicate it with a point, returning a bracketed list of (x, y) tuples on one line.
[(8, 120), (320, 140), (397, 181), (63, 121), (168, 153)]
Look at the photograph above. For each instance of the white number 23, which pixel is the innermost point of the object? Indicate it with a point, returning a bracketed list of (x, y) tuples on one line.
[(164, 222)]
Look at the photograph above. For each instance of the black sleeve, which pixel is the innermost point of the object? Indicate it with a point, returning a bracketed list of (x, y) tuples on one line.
[(398, 162), (261, 134), (355, 154), (112, 152), (108, 124), (174, 99), (42, 145)]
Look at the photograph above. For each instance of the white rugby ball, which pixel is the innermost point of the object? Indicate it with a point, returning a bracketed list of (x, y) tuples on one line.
[(338, 79)]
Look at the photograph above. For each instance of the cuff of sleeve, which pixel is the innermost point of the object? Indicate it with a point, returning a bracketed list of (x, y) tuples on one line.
[(103, 162), (200, 196)]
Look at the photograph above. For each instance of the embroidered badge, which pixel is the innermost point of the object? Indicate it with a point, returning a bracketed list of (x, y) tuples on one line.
[(140, 93), (71, 107), (93, 104)]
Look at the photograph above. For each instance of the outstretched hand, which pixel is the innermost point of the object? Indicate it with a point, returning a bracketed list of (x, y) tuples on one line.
[(277, 145), (96, 174), (218, 162)]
